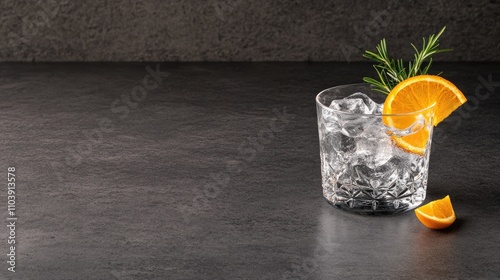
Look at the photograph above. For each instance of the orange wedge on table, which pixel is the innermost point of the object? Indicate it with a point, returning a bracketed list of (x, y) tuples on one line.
[(437, 214), (415, 94)]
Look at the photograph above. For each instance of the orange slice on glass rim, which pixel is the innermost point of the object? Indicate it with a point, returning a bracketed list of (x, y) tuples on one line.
[(415, 94)]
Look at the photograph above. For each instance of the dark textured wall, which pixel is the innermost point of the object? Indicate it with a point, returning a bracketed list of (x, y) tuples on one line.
[(238, 30)]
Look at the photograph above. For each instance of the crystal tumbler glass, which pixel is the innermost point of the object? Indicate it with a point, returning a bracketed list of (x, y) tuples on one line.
[(372, 163)]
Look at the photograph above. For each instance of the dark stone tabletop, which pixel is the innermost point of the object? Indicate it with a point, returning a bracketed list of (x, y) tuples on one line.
[(212, 171)]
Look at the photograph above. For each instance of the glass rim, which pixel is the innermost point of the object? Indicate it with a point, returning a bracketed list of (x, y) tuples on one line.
[(366, 115)]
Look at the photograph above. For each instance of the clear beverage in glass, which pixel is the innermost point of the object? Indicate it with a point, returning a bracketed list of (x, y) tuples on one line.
[(363, 168)]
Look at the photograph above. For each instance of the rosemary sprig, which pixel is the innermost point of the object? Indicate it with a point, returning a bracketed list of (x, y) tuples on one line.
[(390, 72)]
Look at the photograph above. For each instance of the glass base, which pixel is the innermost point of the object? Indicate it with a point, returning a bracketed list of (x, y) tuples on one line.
[(362, 201)]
